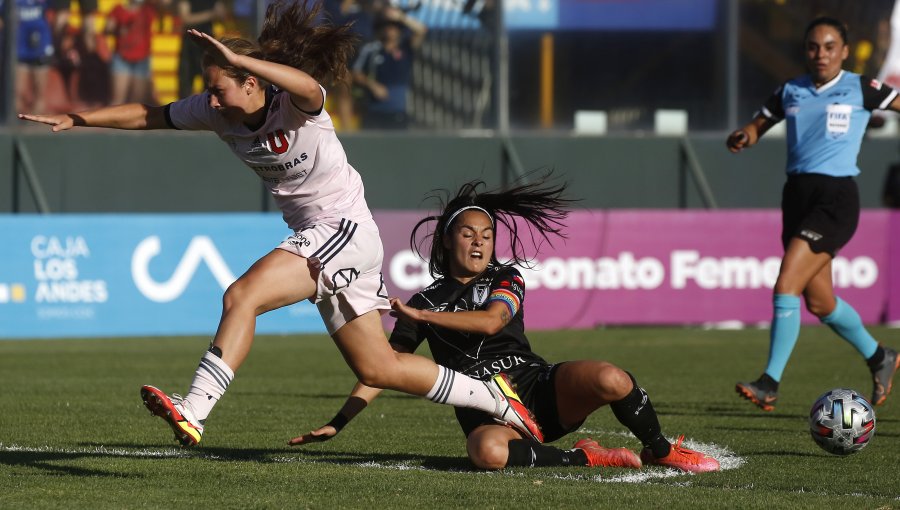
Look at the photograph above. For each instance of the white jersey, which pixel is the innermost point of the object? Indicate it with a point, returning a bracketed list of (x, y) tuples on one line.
[(296, 154)]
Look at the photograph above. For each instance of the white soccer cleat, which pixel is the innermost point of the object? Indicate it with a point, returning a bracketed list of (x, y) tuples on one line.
[(188, 429), (510, 410)]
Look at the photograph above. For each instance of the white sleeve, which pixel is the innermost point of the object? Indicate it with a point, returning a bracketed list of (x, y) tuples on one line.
[(192, 113)]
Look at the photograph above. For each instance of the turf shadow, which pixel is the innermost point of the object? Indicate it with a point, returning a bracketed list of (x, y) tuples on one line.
[(281, 456), (45, 460)]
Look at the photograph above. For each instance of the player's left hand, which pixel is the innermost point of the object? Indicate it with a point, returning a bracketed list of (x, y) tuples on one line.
[(323, 433), (58, 122), (221, 54), (401, 311)]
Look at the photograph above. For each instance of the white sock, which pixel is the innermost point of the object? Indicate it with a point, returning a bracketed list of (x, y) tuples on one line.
[(456, 389), (210, 382)]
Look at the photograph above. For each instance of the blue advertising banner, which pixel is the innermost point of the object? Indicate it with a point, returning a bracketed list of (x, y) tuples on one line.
[(637, 14), (127, 275), (531, 14), (661, 15)]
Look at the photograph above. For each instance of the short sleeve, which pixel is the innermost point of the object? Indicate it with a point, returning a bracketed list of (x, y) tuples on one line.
[(192, 113), (773, 109)]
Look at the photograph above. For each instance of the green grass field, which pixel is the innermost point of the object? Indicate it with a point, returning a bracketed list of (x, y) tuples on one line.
[(74, 434)]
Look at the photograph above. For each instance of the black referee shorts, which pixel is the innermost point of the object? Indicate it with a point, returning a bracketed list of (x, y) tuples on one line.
[(535, 384), (821, 209)]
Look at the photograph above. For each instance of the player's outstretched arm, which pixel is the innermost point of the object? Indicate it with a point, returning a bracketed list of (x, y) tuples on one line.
[(125, 116), (303, 88), (484, 322), (358, 400)]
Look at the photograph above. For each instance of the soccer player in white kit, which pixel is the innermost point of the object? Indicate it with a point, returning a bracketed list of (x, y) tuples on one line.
[(265, 104)]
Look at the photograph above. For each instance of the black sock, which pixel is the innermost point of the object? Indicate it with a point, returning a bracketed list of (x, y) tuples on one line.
[(528, 453), (765, 382), (636, 412), (875, 361)]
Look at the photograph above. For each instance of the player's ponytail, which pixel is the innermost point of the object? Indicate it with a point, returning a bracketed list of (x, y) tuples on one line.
[(294, 34), (539, 203)]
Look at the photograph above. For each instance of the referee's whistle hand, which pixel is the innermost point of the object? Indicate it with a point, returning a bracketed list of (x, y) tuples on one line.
[(737, 141)]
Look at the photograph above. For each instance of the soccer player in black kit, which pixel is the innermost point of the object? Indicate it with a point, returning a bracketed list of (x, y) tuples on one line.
[(472, 319)]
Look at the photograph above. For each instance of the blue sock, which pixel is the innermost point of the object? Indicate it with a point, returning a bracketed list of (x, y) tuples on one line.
[(846, 322), (784, 333)]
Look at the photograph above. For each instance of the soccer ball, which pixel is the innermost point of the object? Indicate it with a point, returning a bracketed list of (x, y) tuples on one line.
[(842, 421)]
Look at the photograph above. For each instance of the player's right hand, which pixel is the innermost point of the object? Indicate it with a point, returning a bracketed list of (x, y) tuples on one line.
[(323, 433), (737, 141), (59, 122)]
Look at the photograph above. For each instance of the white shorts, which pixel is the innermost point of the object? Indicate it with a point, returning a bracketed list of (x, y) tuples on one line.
[(345, 259)]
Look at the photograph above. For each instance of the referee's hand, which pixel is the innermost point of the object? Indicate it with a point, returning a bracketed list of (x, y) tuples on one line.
[(737, 141)]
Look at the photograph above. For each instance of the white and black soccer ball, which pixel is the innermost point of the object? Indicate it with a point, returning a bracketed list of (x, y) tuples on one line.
[(842, 421)]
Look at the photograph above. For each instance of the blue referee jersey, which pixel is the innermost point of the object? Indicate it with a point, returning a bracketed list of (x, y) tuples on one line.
[(825, 125)]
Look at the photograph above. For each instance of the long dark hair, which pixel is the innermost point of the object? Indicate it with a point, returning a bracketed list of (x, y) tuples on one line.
[(540, 203), (294, 34)]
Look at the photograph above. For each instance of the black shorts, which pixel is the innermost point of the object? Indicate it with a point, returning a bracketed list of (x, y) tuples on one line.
[(821, 209), (536, 386)]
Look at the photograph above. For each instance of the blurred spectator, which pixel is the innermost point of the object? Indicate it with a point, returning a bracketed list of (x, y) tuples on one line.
[(243, 14), (384, 69), (360, 15), (199, 15), (82, 55), (131, 24), (34, 49)]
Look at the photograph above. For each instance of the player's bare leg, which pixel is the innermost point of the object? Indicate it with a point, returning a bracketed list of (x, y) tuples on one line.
[(799, 267), (277, 279), (375, 363)]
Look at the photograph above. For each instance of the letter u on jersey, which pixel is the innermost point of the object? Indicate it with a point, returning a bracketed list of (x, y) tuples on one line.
[(279, 145)]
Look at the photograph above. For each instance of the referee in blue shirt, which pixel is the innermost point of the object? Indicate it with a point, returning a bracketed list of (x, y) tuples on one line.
[(827, 112)]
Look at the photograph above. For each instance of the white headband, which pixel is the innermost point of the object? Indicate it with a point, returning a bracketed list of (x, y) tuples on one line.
[(466, 208)]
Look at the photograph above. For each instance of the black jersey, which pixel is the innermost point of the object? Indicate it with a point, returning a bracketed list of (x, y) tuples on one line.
[(478, 356)]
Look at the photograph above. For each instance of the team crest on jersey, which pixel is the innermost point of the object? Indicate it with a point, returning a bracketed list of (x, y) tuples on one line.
[(257, 147), (480, 294)]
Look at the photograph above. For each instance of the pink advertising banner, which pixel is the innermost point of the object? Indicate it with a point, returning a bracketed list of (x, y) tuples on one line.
[(893, 305), (669, 267)]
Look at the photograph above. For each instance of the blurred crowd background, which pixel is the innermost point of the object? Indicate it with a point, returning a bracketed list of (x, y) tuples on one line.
[(609, 66)]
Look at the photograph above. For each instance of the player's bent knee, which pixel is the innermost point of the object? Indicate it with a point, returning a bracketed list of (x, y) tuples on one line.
[(235, 295), (240, 296), (613, 382), (819, 308), (487, 454), (375, 376)]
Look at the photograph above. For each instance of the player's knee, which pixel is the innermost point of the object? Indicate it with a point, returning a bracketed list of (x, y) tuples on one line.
[(820, 307), (233, 296), (373, 375), (487, 454), (240, 296), (612, 382)]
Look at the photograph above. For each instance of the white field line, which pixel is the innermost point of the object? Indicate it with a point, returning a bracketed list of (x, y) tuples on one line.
[(727, 459)]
